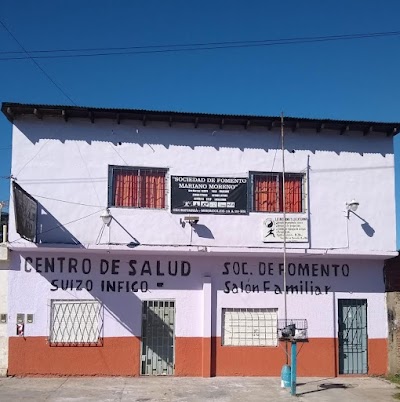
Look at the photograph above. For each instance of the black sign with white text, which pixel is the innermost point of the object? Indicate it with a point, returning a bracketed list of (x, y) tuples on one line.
[(209, 195)]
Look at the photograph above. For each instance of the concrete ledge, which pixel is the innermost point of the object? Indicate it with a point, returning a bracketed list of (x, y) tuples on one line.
[(203, 250)]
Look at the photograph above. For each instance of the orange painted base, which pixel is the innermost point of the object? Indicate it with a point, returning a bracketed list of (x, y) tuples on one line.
[(194, 357), (34, 356), (377, 356), (315, 358)]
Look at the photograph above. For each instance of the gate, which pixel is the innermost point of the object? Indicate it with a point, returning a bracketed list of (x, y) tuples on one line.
[(158, 337), (352, 336)]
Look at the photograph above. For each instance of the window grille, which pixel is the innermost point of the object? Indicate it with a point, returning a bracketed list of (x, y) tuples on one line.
[(267, 192), (76, 323), (137, 187), (249, 326)]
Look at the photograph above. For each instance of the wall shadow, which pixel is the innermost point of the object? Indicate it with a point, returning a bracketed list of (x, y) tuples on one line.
[(121, 281), (134, 242), (132, 132), (203, 231), (50, 230), (325, 387), (366, 227)]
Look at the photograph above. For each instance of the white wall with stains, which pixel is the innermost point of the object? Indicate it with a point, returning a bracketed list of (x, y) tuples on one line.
[(64, 165)]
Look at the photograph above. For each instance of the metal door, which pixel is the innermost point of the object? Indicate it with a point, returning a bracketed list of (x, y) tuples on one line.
[(353, 358), (158, 337)]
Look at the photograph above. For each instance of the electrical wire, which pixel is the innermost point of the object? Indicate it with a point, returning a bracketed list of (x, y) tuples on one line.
[(37, 64), (62, 224), (113, 148), (66, 202), (33, 157), (276, 151), (88, 171), (73, 221), (153, 49), (295, 39), (351, 36)]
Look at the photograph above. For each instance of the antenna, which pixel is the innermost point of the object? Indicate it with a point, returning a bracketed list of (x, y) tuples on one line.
[(284, 216)]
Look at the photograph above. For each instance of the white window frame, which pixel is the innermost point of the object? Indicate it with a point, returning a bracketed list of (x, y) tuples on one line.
[(250, 327), (82, 319)]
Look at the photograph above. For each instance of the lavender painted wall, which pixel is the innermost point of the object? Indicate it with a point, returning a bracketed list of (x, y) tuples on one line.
[(31, 289)]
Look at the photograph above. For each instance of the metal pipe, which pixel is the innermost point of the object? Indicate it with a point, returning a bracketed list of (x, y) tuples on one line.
[(5, 234), (284, 218)]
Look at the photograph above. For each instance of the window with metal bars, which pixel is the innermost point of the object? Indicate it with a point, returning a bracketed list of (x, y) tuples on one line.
[(267, 192), (249, 326), (76, 323), (134, 187)]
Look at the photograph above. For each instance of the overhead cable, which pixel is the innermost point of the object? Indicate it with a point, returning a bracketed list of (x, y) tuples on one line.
[(152, 49), (37, 64)]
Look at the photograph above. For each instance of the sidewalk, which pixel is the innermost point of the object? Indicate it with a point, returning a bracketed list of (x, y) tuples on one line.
[(218, 389)]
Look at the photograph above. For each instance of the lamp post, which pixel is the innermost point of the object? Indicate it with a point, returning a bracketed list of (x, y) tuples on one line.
[(351, 206), (106, 217)]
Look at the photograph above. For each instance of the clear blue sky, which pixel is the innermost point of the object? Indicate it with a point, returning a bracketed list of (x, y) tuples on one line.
[(357, 79)]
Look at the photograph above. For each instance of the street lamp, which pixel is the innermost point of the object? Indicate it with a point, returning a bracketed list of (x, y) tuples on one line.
[(106, 217), (351, 206)]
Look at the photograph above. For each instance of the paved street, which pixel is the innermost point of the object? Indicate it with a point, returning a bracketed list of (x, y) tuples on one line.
[(219, 389)]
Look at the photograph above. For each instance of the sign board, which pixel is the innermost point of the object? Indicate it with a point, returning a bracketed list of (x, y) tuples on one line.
[(209, 195), (296, 230), (25, 207)]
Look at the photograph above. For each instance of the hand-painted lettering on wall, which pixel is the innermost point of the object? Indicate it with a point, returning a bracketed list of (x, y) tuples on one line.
[(303, 272), (139, 271)]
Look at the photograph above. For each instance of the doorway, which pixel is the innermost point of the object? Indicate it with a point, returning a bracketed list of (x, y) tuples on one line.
[(158, 337), (353, 337)]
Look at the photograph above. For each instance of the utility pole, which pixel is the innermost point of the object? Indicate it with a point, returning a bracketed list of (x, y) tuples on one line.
[(284, 216)]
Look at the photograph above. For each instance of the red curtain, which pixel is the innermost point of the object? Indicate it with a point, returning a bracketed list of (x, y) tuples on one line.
[(144, 189), (268, 196), (293, 195), (152, 189), (265, 193)]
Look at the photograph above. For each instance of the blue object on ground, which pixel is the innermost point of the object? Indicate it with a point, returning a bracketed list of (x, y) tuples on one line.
[(293, 361), (286, 376)]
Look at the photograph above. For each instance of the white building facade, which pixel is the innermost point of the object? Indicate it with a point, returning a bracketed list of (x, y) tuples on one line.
[(158, 247)]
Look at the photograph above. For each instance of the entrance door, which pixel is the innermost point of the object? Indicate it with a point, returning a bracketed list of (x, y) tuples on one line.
[(158, 337), (353, 336)]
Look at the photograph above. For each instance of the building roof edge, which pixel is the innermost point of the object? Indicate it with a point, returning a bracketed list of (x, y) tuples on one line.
[(16, 110)]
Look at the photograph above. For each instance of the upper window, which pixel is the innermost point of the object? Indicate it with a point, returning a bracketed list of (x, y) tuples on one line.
[(267, 192), (137, 187)]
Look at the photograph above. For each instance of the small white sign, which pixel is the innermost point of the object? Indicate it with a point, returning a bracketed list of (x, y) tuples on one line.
[(296, 230)]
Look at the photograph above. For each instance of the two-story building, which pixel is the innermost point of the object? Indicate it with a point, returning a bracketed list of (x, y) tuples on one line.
[(154, 243), (4, 268)]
